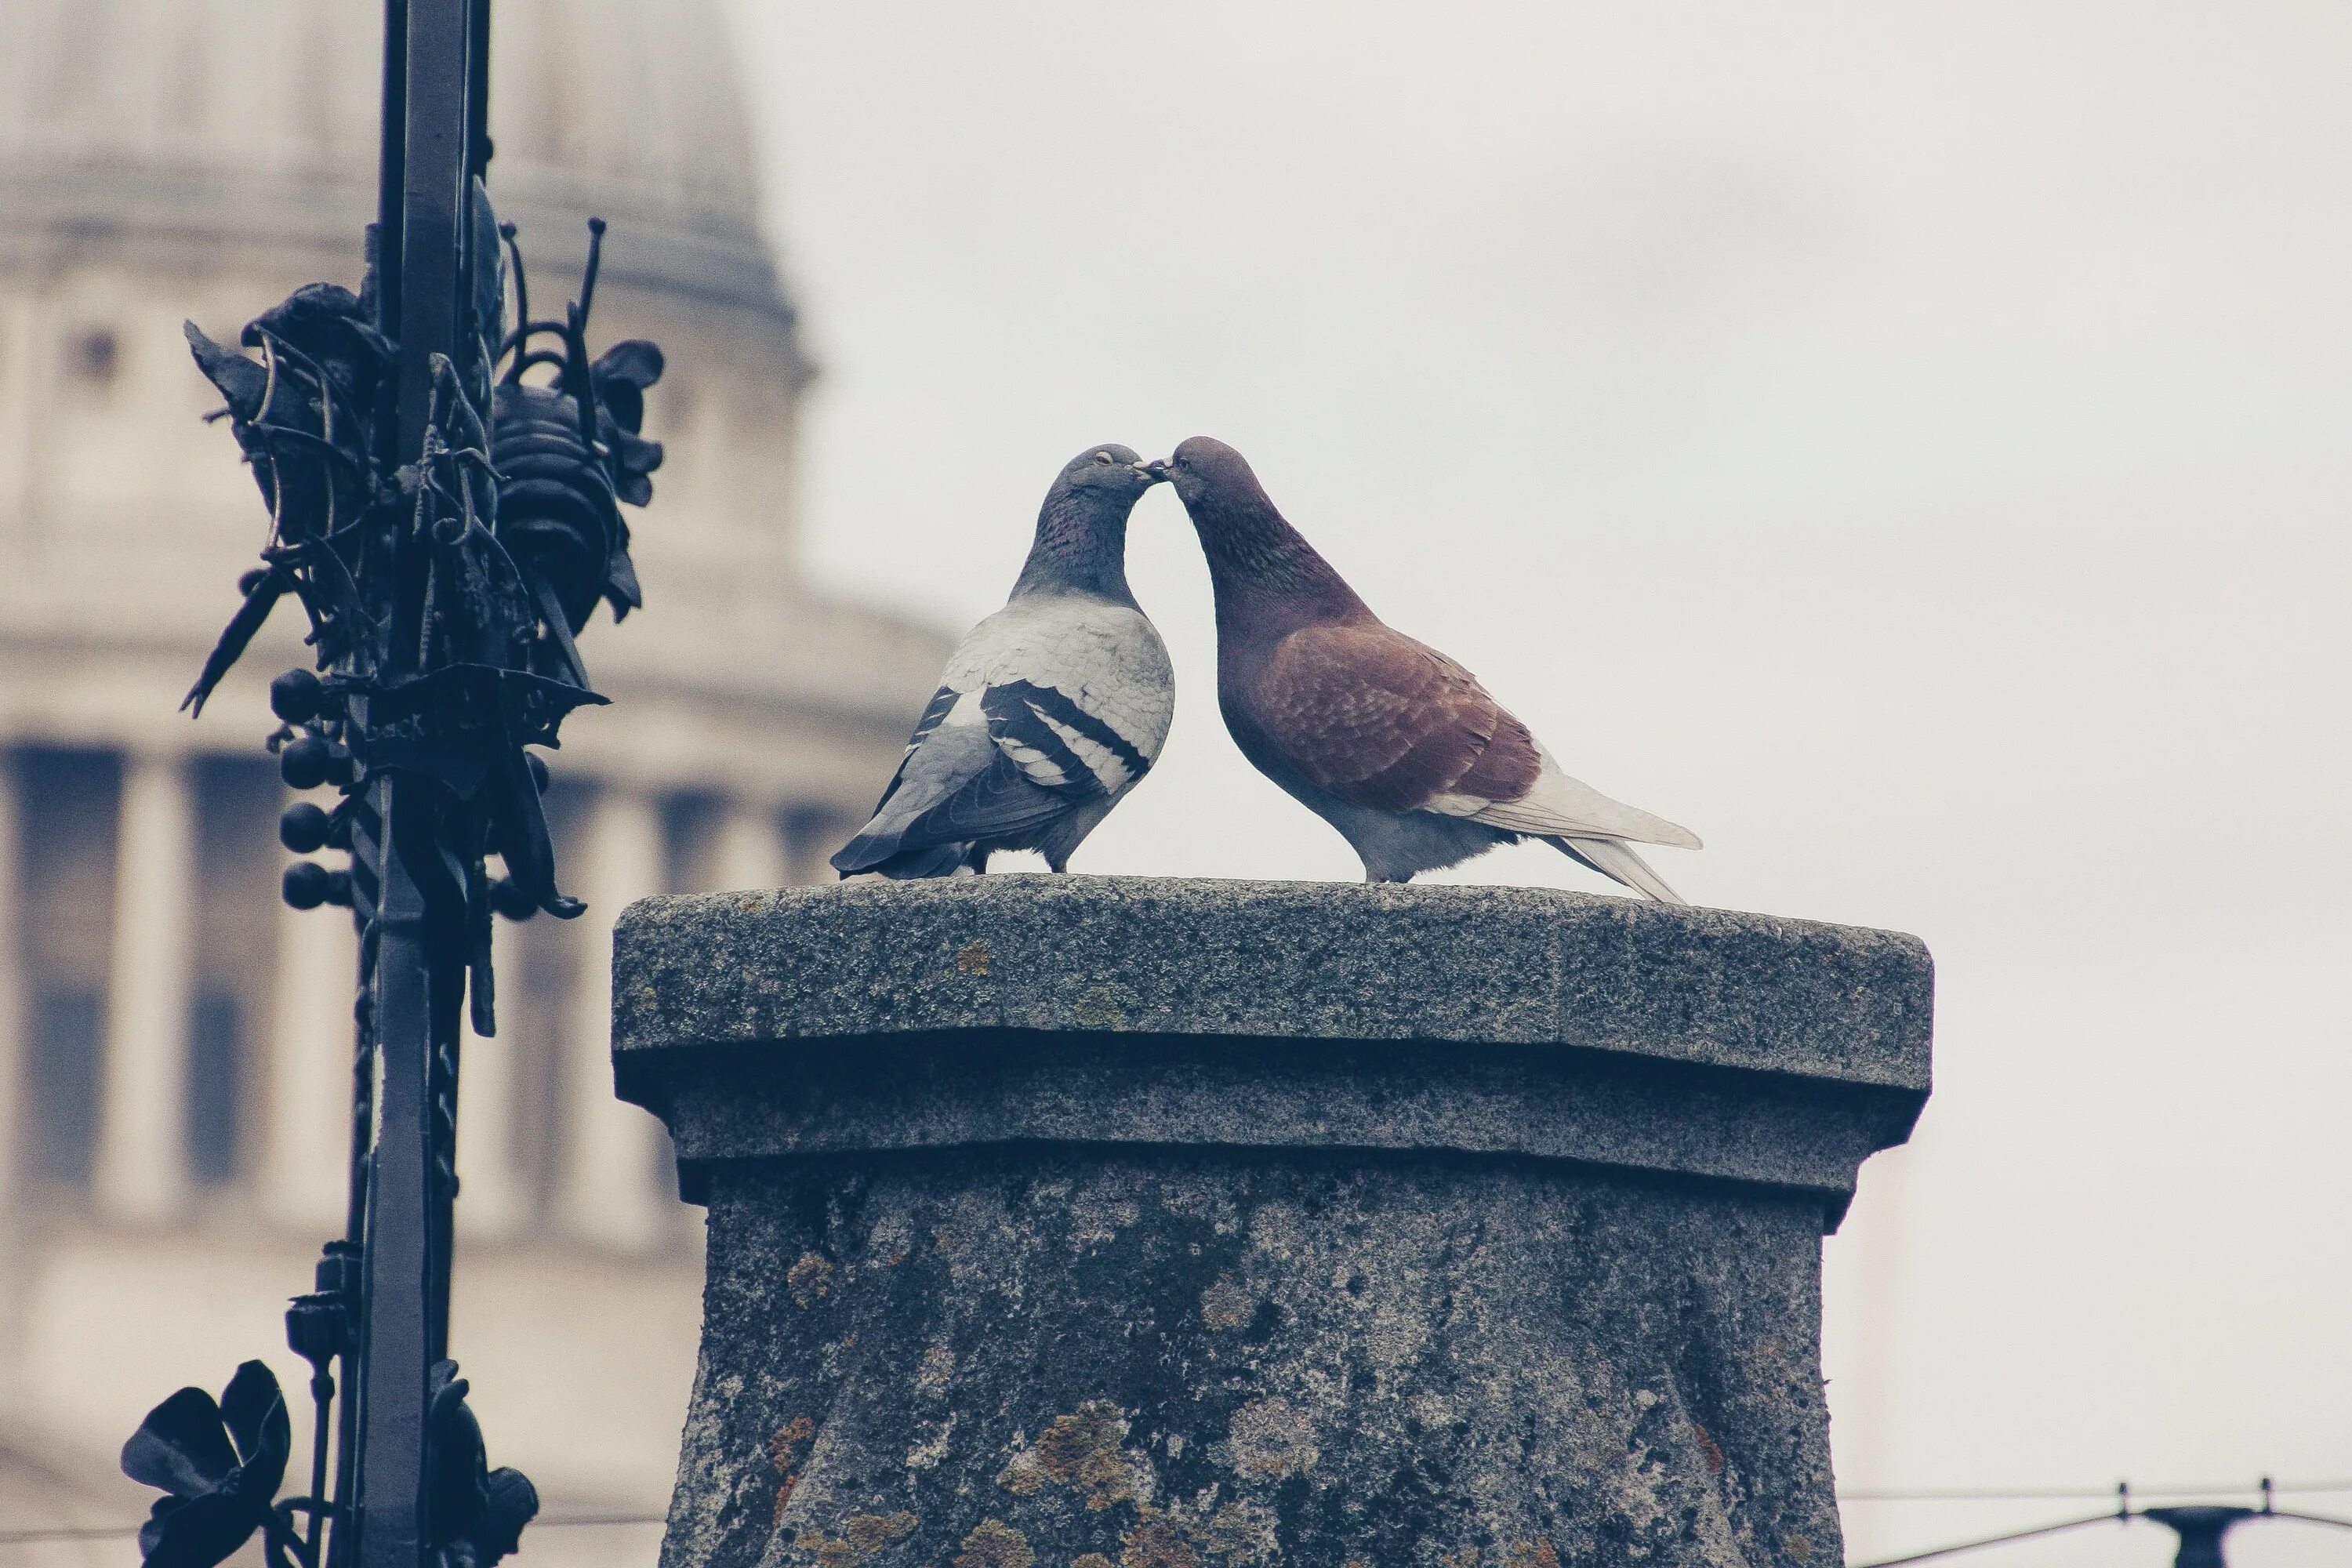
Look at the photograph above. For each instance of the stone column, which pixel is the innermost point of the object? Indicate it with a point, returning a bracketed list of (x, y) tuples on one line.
[(493, 1195), (606, 1152), (13, 1260), (751, 851), (1089, 1221), (306, 1149), (812, 835), (141, 1167)]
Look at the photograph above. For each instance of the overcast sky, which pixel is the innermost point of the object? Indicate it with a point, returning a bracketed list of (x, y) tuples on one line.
[(1907, 444)]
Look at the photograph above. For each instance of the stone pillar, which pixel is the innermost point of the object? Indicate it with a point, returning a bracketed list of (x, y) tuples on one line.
[(13, 1260), (306, 1147), (141, 1166), (606, 1152), (493, 1193), (751, 851), (812, 835), (1089, 1221)]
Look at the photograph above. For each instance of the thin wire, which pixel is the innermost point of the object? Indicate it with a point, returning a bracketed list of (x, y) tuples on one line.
[(2123, 1515), (120, 1531), (2084, 1494), (2309, 1518), (2111, 1517)]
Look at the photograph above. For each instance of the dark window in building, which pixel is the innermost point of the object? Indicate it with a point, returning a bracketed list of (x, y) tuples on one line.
[(97, 356), (690, 829), (61, 1085), (233, 967), (216, 1075), (540, 962), (72, 801), (811, 835)]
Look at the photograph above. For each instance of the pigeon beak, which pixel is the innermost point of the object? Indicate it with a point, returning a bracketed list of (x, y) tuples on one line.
[(1154, 470)]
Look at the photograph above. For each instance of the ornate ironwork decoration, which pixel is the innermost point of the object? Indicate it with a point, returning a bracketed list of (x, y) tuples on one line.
[(443, 500), (218, 1464)]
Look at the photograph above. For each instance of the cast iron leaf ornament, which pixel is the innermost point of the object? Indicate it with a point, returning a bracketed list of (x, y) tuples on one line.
[(218, 1464), (304, 416), (477, 1512), (515, 502), (568, 452)]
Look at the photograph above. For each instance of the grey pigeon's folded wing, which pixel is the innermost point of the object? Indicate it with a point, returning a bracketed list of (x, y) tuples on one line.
[(1045, 711), (955, 784)]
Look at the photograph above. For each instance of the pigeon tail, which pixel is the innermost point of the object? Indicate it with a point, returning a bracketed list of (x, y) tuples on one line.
[(878, 854), (1618, 862), (890, 873)]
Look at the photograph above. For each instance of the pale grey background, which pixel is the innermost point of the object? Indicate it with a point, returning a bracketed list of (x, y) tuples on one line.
[(1907, 443)]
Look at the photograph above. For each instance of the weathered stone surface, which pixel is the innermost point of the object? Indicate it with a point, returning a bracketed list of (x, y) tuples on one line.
[(1123, 955), (1197, 1357), (1086, 1223)]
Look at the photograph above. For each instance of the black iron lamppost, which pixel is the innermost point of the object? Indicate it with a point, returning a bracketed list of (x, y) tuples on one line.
[(2202, 1530), (447, 526)]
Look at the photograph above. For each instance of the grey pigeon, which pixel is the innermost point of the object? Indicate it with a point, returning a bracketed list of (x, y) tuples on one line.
[(1386, 739), (1048, 712)]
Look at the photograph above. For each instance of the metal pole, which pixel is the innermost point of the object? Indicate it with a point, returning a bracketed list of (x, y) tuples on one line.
[(399, 1335), (396, 1334)]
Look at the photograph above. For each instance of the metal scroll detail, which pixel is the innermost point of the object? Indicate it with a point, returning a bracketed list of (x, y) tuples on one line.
[(444, 595)]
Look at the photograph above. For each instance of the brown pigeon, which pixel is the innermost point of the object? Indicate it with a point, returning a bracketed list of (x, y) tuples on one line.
[(1386, 739)]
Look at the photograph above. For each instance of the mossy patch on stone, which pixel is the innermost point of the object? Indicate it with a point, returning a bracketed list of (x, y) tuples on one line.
[(1083, 1451), (809, 1279), (993, 1543)]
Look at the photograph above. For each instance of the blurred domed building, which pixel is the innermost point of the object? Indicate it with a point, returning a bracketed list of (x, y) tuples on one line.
[(173, 1043)]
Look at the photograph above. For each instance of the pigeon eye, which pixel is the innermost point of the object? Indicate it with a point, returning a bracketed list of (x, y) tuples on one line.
[(1102, 458)]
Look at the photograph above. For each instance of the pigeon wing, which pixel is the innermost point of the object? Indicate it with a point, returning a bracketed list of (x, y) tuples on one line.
[(1078, 692), (955, 784), (1381, 721), (942, 700), (1041, 713)]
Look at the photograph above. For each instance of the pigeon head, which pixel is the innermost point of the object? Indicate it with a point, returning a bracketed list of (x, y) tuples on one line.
[(1107, 474), (1205, 469), (1255, 558), (1081, 543)]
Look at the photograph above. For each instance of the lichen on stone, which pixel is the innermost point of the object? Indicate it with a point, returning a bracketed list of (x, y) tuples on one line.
[(993, 1543), (1271, 1438), (1155, 1544), (1082, 1451), (869, 1532), (1098, 1211), (789, 1444), (928, 1453), (809, 1279), (862, 1536), (1225, 1305), (1243, 1532)]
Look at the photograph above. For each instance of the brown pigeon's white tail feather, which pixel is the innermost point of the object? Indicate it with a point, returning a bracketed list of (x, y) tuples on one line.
[(1557, 803), (1617, 860)]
